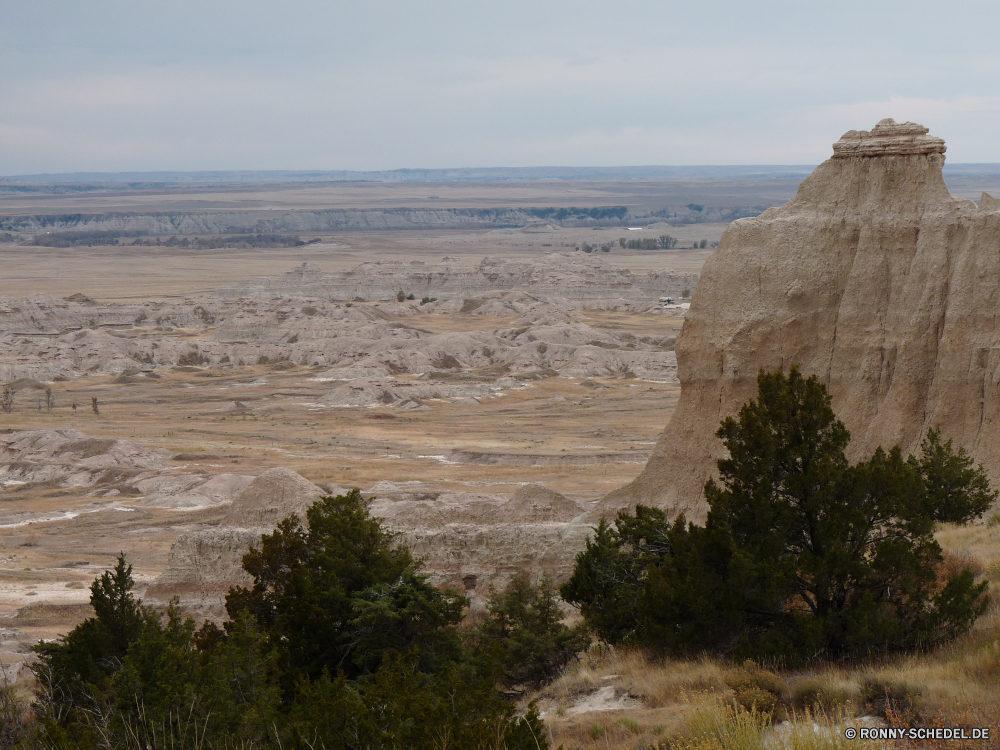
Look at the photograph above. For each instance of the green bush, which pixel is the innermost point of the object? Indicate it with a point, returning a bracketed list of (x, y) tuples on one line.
[(802, 553), (630, 724), (340, 594), (340, 643), (524, 625), (882, 697)]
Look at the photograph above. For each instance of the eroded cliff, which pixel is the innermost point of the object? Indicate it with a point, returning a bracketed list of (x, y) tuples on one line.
[(876, 279)]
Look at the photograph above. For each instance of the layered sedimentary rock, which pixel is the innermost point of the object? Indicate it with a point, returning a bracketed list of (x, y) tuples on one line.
[(292, 319), (875, 279), (205, 564), (107, 470), (568, 275), (460, 537)]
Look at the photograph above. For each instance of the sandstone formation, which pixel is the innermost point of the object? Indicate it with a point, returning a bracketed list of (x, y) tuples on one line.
[(874, 278), (205, 564), (569, 275), (462, 538), (111, 470), (478, 540), (292, 319), (270, 498)]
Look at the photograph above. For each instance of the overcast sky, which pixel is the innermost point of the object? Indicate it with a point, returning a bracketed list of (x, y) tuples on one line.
[(103, 85)]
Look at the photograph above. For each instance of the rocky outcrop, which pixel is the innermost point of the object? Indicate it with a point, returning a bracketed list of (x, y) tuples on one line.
[(875, 279), (888, 138), (205, 564), (567, 275), (270, 498), (292, 319), (462, 538), (109, 469)]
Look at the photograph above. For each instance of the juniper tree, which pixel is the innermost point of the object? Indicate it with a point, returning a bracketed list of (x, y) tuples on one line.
[(801, 552)]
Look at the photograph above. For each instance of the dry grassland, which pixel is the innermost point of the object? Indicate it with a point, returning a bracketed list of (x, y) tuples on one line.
[(581, 440), (609, 698), (649, 701)]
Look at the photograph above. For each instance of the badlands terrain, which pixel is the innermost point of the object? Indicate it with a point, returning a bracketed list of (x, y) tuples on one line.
[(187, 364), (524, 380)]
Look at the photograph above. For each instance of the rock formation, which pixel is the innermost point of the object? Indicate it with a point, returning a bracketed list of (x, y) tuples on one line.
[(106, 469), (874, 278), (270, 498), (568, 275), (205, 564), (291, 319), (461, 537)]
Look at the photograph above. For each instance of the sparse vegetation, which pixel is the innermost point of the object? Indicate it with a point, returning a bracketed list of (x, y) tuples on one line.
[(802, 554), (340, 643), (663, 242), (524, 626), (113, 238)]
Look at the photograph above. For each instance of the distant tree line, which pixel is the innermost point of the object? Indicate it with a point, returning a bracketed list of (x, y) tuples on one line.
[(560, 214), (588, 248), (103, 238), (663, 242)]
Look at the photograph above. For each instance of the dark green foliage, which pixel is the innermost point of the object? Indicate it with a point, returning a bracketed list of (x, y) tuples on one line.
[(338, 597), (663, 242), (801, 553), (92, 653), (561, 214), (608, 582), (955, 490), (524, 624), (402, 706)]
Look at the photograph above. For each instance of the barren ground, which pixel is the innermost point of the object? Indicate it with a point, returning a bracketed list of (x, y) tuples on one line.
[(568, 426), (580, 436)]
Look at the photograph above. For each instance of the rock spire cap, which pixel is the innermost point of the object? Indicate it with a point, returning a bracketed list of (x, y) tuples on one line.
[(888, 138)]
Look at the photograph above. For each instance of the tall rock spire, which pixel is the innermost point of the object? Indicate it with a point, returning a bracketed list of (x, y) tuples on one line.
[(874, 278)]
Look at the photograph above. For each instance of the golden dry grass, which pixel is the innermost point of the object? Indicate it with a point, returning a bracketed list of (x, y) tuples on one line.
[(707, 703)]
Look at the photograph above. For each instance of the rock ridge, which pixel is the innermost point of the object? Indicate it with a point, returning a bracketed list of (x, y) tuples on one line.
[(874, 278)]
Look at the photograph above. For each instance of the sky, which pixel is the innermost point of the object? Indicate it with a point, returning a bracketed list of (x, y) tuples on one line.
[(132, 85)]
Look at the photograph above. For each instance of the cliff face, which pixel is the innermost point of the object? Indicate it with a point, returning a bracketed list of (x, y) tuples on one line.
[(875, 279)]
